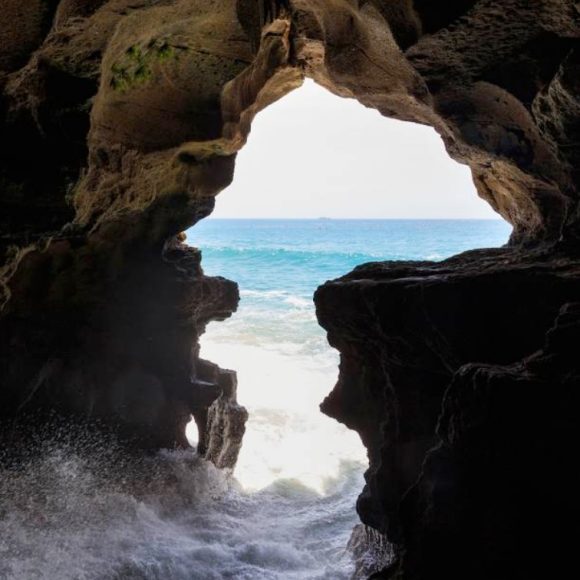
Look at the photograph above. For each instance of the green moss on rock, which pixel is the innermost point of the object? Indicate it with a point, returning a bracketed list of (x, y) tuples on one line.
[(136, 66)]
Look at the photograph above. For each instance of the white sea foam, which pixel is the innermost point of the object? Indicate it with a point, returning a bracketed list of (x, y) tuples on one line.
[(76, 514), (62, 520), (264, 293), (287, 437), (298, 302)]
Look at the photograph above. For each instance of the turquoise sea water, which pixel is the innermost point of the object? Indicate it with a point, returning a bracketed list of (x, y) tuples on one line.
[(278, 264), (295, 462), (298, 255), (288, 512)]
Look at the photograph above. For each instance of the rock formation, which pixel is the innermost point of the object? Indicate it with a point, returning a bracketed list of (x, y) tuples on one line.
[(121, 120), (467, 417)]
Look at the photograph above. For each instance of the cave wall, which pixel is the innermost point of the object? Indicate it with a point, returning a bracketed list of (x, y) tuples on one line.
[(102, 302), (121, 120), (462, 379)]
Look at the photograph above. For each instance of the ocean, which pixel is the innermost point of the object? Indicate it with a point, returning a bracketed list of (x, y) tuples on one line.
[(289, 509), (286, 367)]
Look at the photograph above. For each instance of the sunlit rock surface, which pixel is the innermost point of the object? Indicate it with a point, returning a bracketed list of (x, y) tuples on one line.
[(120, 123)]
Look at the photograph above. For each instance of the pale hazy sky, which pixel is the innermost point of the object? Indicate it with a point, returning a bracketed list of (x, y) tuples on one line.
[(313, 154)]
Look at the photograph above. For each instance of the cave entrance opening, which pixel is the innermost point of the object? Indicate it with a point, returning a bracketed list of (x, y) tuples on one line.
[(323, 184)]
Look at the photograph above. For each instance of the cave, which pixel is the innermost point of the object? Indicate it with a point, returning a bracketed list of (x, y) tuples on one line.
[(121, 121)]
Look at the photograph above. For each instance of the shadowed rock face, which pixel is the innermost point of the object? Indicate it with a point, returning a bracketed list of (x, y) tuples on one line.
[(121, 120), (498, 493), (469, 437)]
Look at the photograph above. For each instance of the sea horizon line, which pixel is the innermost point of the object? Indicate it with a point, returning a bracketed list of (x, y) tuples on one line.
[(323, 218)]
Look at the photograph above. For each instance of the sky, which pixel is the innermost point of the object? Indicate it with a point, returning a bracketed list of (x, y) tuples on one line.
[(313, 154)]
